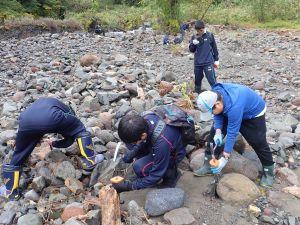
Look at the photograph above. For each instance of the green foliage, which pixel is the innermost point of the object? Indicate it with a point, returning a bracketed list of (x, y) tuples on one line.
[(169, 14), (10, 9), (165, 15), (268, 10)]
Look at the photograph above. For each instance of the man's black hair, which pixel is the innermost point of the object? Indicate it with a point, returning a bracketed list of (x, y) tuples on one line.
[(131, 127), (199, 24), (219, 96)]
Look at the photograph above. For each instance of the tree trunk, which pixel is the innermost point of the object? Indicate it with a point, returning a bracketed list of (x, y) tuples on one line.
[(110, 206)]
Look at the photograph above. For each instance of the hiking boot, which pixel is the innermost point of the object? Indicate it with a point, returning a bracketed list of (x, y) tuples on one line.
[(170, 178), (88, 164), (86, 147), (205, 169), (267, 178), (11, 177)]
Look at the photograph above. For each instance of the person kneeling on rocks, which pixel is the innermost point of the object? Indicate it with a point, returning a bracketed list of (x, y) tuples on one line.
[(236, 108), (155, 154), (46, 115)]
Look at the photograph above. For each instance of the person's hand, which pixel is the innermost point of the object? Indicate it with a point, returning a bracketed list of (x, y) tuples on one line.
[(216, 64), (123, 186), (195, 42), (218, 138), (222, 162)]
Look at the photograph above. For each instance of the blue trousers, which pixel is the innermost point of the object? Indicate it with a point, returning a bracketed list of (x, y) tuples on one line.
[(210, 75), (142, 166)]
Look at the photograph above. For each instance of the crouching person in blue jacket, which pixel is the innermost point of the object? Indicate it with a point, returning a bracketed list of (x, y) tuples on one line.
[(236, 108), (46, 115), (155, 158)]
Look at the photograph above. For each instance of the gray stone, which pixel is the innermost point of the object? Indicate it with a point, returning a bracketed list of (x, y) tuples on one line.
[(289, 120), (168, 76), (81, 74), (38, 183), (30, 219), (105, 136), (132, 88), (32, 195), (181, 216), (7, 217), (292, 220), (284, 96), (136, 213), (72, 221), (267, 219), (57, 197), (252, 156), (106, 97), (138, 105), (239, 164), (7, 135), (286, 141), (64, 170), (93, 217), (78, 88), (163, 200), (124, 108), (8, 108), (91, 103)]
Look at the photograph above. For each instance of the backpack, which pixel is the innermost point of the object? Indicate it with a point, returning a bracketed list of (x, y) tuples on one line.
[(173, 115)]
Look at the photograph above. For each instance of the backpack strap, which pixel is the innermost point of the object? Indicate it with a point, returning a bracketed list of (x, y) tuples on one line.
[(158, 129)]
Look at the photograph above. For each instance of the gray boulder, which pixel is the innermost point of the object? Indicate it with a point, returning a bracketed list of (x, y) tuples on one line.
[(161, 201), (7, 217), (64, 170), (30, 219)]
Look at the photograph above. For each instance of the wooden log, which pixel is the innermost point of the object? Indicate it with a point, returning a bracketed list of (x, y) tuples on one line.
[(110, 206)]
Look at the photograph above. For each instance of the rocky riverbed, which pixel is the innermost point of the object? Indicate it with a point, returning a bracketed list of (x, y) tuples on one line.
[(103, 78)]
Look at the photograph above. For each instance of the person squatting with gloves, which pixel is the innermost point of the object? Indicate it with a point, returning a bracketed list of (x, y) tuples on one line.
[(153, 160), (46, 115), (236, 108), (206, 55)]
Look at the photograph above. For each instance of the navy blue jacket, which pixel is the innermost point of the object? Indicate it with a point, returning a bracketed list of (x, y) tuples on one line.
[(240, 103), (49, 115), (162, 152), (206, 52)]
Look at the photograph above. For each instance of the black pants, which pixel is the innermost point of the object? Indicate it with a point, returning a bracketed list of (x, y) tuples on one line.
[(254, 131), (209, 72)]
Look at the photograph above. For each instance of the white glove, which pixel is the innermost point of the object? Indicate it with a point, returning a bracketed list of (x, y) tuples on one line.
[(222, 162), (195, 42), (217, 63)]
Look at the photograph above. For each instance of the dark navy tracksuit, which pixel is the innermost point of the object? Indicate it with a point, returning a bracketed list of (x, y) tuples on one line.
[(45, 115), (153, 159), (206, 53), (244, 112)]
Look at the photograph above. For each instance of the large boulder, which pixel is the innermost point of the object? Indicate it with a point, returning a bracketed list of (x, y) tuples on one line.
[(161, 201), (239, 164), (72, 210), (288, 175), (30, 219), (236, 188)]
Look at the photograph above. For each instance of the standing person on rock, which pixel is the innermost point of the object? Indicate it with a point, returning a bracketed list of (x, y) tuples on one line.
[(206, 55), (46, 115), (155, 154), (236, 108)]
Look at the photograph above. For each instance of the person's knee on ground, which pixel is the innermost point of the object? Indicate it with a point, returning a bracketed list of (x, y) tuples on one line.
[(11, 176), (86, 147)]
